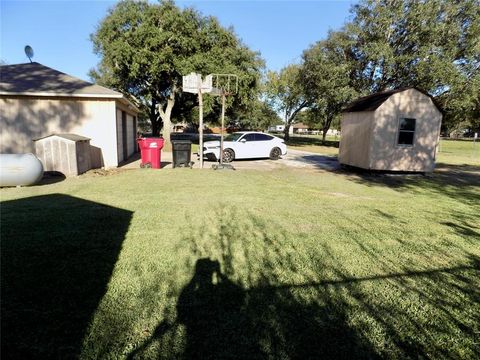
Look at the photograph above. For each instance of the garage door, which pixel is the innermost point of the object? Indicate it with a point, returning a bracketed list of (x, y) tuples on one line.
[(120, 136), (130, 135)]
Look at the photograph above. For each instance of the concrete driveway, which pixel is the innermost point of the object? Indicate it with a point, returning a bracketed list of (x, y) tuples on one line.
[(294, 159)]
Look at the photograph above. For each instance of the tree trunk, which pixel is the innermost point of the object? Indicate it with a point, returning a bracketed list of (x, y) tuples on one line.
[(286, 132), (154, 118), (165, 115), (324, 135), (326, 127)]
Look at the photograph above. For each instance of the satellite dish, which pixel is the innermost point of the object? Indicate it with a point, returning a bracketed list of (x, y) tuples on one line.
[(29, 52)]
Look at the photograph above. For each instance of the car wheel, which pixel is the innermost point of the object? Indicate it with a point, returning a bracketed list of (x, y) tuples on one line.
[(275, 153), (228, 155)]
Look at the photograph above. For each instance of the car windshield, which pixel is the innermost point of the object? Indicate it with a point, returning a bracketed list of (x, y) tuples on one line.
[(233, 137)]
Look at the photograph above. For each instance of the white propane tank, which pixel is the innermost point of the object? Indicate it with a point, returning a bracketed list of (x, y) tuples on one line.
[(20, 169)]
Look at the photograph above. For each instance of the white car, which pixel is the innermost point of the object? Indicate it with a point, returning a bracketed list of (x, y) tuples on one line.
[(245, 145)]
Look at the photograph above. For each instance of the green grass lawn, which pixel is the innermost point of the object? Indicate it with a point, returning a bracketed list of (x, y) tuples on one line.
[(459, 152), (314, 143), (180, 263)]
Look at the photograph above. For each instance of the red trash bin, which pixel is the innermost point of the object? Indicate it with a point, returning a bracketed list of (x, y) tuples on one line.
[(150, 150)]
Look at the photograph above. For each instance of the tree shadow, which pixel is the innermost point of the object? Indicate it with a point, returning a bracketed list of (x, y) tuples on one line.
[(58, 254), (460, 182), (257, 292), (222, 320), (322, 162)]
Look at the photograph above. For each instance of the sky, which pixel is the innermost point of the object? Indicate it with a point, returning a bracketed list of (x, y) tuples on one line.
[(59, 31)]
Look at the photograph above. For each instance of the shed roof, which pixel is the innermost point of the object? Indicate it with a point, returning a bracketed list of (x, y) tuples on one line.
[(373, 101), (71, 137), (40, 80)]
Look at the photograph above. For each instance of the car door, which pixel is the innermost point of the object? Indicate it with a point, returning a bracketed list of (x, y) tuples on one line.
[(263, 144), (245, 147)]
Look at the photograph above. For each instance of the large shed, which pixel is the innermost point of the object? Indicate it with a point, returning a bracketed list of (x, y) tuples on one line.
[(396, 130), (37, 101)]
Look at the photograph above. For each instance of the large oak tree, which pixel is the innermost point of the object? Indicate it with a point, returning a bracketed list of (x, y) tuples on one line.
[(146, 48)]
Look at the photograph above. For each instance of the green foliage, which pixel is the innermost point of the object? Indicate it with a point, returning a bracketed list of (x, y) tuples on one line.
[(285, 94), (146, 48), (259, 116), (433, 45), (326, 75)]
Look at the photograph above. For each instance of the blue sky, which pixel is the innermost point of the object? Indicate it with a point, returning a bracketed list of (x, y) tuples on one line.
[(59, 31)]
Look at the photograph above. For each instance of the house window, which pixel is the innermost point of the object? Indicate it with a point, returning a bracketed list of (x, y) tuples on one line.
[(406, 131)]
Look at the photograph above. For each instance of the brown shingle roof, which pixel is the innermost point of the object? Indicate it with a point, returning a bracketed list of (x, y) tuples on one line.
[(372, 102), (37, 79)]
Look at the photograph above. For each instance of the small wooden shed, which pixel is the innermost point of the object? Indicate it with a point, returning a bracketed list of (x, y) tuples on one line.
[(396, 130), (68, 154)]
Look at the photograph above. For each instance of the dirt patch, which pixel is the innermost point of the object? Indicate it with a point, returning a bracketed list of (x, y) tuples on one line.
[(103, 172)]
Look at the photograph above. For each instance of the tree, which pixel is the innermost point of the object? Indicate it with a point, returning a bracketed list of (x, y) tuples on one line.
[(433, 45), (284, 92), (258, 116), (146, 48), (326, 78)]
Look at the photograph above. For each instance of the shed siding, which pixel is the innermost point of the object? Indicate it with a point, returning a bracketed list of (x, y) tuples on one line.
[(356, 139), (386, 154), (25, 118)]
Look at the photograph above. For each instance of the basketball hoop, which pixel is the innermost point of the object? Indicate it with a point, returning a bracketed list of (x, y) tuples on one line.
[(192, 82), (217, 85)]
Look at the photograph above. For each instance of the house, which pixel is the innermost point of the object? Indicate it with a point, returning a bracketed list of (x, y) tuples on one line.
[(300, 128), (396, 130), (37, 101), (276, 128)]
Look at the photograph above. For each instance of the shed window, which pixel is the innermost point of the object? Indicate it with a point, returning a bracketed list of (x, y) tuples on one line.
[(406, 131)]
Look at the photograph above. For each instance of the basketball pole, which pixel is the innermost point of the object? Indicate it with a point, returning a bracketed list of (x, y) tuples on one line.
[(223, 128), (200, 120)]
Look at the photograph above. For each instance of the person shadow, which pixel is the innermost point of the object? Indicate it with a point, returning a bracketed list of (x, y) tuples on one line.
[(222, 320), (212, 308)]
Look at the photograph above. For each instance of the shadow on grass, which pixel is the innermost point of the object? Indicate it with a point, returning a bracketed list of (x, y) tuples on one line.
[(257, 293), (460, 182), (58, 253), (51, 177)]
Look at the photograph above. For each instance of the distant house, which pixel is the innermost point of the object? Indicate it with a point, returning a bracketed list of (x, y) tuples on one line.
[(394, 130), (300, 128), (276, 128), (37, 101)]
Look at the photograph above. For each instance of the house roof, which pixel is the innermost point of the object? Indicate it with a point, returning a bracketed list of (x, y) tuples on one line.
[(71, 137), (372, 102), (40, 80), (300, 126)]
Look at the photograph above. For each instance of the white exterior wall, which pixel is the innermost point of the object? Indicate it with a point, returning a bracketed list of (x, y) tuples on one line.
[(25, 118), (385, 153)]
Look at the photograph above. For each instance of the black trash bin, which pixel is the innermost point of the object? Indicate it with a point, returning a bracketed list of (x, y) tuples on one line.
[(182, 152)]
